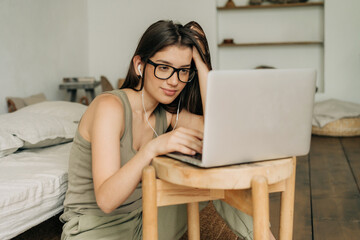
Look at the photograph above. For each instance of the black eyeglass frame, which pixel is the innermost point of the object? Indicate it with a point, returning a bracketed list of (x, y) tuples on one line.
[(177, 70)]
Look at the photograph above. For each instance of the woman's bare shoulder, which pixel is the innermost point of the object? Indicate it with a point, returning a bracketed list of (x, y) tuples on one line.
[(104, 105), (106, 100), (105, 109)]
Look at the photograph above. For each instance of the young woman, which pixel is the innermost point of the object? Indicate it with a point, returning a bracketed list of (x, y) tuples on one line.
[(158, 110)]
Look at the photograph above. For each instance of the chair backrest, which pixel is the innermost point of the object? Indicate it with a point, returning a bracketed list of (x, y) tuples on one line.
[(121, 82), (105, 84)]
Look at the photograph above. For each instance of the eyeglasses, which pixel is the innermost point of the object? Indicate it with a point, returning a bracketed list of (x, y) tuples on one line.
[(164, 72)]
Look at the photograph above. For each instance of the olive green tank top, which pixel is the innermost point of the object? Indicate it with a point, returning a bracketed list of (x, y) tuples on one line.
[(80, 196)]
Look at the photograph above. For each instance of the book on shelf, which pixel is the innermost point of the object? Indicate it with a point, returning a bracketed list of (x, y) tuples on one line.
[(79, 79)]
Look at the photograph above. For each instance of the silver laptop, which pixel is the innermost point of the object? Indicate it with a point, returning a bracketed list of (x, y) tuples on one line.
[(255, 115)]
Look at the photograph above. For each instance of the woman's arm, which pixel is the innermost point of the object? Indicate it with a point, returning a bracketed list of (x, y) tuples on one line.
[(114, 183), (202, 71), (187, 119)]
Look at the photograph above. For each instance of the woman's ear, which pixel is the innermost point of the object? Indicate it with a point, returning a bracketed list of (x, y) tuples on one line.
[(136, 63)]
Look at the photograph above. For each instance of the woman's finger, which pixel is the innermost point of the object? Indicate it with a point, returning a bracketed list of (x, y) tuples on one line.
[(192, 132), (188, 140)]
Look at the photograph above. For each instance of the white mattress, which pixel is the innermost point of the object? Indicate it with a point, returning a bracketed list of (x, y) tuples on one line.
[(32, 187)]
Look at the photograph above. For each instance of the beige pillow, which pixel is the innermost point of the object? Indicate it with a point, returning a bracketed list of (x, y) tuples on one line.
[(23, 102), (18, 102), (34, 99)]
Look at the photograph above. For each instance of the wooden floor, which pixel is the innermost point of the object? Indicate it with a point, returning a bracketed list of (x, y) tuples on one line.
[(327, 196)]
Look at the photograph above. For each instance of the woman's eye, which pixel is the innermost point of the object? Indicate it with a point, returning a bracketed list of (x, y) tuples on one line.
[(184, 71), (163, 68)]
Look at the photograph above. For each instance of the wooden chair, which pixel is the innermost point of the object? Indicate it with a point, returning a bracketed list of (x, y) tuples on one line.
[(245, 187), (105, 84), (120, 82)]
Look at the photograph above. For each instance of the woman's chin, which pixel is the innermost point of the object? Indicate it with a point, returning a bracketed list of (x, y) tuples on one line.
[(166, 102), (167, 99)]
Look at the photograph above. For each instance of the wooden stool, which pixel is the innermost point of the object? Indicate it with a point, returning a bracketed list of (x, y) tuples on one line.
[(245, 187)]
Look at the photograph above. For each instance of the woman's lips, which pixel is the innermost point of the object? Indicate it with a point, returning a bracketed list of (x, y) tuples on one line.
[(169, 92)]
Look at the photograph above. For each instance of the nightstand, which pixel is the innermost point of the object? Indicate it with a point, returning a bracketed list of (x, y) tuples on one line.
[(72, 88)]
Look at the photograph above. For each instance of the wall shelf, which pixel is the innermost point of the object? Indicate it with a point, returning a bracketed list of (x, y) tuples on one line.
[(280, 35), (268, 44), (273, 6)]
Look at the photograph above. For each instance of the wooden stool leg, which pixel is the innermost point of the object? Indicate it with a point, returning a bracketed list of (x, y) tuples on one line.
[(287, 206), (193, 221), (150, 213), (72, 94), (260, 195)]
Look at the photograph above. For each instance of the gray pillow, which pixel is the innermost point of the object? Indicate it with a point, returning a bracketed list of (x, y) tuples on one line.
[(9, 143), (44, 124)]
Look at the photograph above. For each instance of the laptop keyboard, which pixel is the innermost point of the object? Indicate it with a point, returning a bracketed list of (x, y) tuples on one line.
[(197, 156)]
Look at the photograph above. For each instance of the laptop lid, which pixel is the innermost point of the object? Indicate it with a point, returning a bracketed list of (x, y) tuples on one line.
[(254, 115)]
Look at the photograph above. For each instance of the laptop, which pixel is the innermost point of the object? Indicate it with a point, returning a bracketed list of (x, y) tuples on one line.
[(255, 115)]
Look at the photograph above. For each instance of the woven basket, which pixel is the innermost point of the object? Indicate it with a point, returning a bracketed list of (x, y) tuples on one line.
[(345, 127)]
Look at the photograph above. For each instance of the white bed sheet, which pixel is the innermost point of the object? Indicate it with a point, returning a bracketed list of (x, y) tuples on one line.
[(32, 187)]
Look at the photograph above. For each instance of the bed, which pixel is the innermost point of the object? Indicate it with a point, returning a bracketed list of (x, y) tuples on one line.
[(35, 142)]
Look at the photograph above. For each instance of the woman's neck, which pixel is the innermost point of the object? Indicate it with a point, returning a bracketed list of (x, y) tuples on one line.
[(141, 101), (149, 104)]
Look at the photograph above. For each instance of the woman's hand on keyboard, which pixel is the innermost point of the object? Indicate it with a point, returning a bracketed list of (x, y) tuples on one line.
[(183, 140)]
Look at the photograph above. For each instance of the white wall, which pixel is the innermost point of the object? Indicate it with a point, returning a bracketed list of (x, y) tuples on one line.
[(115, 28), (342, 50), (41, 41)]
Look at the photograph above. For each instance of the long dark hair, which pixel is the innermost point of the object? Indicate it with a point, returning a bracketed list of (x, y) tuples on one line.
[(159, 36)]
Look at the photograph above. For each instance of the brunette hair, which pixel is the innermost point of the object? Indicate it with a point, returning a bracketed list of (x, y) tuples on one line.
[(159, 36)]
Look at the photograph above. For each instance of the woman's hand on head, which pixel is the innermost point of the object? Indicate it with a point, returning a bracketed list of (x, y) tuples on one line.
[(200, 64), (202, 72), (184, 140)]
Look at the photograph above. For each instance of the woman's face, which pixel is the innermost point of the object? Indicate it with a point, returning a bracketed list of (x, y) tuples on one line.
[(165, 91)]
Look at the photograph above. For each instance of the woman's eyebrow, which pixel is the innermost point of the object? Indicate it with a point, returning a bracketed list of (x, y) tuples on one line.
[(169, 63)]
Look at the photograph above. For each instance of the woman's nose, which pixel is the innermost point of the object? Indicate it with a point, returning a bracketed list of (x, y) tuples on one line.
[(173, 80)]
